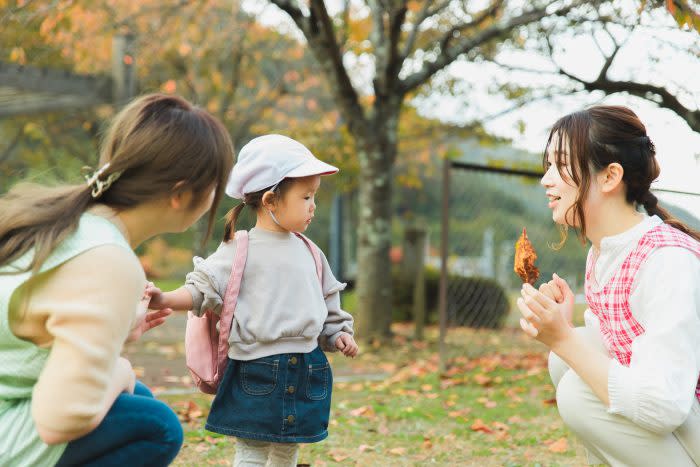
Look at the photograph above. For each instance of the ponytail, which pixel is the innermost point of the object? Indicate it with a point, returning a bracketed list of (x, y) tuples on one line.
[(651, 205), (254, 200), (39, 218), (231, 219), (153, 144)]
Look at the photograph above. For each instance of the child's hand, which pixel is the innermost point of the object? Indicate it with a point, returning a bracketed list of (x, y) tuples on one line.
[(346, 344), (146, 320), (156, 296)]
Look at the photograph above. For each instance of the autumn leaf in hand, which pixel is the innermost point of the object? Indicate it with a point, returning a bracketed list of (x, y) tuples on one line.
[(525, 257)]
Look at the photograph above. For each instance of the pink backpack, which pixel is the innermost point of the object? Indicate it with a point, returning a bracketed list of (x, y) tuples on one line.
[(206, 347)]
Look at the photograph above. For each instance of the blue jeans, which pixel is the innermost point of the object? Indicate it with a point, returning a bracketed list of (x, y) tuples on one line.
[(138, 430)]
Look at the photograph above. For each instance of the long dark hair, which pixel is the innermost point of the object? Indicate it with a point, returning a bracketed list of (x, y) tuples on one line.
[(161, 144), (602, 135)]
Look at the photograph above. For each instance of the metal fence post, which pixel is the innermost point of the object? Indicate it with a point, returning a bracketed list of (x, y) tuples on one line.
[(444, 239)]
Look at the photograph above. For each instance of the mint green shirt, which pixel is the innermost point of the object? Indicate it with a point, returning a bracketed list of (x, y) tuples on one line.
[(21, 361)]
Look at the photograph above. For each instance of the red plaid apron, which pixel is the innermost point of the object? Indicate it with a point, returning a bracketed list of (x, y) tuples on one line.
[(611, 303)]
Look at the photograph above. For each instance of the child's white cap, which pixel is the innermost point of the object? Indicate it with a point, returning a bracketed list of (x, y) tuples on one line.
[(267, 160)]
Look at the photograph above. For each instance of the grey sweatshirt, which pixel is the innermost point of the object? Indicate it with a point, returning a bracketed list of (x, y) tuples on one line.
[(282, 306)]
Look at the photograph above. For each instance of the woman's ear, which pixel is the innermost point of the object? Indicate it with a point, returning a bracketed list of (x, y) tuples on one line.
[(611, 177), (268, 200), (179, 197)]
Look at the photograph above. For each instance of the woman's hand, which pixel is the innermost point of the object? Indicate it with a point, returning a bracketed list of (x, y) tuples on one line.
[(543, 317), (145, 319), (346, 344), (558, 290)]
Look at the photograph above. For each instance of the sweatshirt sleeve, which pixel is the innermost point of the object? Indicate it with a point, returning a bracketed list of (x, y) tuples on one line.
[(338, 320), (657, 390), (89, 316), (208, 281)]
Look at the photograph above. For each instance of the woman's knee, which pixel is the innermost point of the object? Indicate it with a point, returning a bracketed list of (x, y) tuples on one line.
[(557, 367), (142, 390), (166, 425), (574, 402)]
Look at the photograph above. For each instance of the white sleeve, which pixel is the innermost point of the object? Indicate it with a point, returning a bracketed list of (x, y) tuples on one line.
[(338, 320), (657, 390), (207, 283)]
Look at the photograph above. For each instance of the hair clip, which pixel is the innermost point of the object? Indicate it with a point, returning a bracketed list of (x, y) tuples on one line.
[(100, 186)]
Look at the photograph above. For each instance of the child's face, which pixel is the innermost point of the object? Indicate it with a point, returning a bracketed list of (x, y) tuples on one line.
[(296, 209), (561, 189)]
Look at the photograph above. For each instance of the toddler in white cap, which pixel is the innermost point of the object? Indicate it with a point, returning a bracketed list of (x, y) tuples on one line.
[(276, 391)]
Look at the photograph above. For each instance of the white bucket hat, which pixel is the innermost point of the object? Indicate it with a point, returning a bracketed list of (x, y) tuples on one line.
[(267, 160)]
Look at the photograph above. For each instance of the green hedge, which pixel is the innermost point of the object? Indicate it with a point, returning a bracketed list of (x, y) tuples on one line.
[(476, 302)]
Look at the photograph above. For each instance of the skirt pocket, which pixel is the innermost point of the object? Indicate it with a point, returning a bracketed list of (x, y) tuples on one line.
[(318, 380), (259, 377)]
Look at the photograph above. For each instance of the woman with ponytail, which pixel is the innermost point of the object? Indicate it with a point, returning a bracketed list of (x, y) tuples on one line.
[(72, 289), (626, 383)]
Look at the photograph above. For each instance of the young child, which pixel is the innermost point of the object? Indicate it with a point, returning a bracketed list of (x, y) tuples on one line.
[(276, 391), (626, 383)]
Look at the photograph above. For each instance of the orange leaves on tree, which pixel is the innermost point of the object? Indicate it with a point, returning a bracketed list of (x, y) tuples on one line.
[(18, 55), (170, 86)]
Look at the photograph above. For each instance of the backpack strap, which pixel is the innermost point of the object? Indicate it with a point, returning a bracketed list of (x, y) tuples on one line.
[(315, 252), (232, 290)]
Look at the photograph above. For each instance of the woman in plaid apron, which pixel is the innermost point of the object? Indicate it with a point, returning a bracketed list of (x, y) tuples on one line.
[(627, 382)]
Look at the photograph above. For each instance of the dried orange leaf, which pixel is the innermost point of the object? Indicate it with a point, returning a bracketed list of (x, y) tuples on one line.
[(525, 256)]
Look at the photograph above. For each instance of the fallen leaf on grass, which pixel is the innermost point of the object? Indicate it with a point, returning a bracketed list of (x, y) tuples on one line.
[(357, 387), (188, 411), (489, 404), (338, 456), (397, 451), (459, 413), (479, 425), (364, 411), (482, 379), (560, 445)]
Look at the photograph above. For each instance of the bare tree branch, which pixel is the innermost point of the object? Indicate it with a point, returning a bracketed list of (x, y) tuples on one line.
[(320, 33), (489, 12), (425, 13), (449, 54), (658, 94)]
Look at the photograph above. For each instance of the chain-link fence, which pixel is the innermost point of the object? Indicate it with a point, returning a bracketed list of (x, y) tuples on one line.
[(488, 210), (485, 212)]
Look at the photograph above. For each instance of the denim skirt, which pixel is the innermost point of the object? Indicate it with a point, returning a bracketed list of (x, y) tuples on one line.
[(284, 398)]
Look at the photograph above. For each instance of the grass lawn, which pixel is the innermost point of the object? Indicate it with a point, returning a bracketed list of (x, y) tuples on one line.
[(493, 407)]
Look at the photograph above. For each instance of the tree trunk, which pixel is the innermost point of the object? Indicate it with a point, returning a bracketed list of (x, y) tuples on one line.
[(374, 306)]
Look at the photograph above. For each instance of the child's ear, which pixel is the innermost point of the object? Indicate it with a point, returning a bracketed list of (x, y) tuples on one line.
[(611, 177), (268, 200)]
